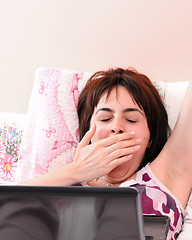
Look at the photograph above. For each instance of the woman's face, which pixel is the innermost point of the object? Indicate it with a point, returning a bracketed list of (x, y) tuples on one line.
[(115, 114)]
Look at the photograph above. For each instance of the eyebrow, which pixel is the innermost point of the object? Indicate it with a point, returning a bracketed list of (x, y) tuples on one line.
[(124, 111)]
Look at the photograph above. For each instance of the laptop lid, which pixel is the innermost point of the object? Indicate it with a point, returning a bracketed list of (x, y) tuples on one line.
[(70, 213)]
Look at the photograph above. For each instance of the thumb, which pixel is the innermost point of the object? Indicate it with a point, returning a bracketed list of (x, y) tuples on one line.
[(88, 136)]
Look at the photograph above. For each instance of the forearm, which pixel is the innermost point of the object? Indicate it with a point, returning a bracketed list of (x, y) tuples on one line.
[(180, 144), (63, 176)]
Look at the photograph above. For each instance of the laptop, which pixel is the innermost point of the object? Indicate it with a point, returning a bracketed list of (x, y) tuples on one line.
[(71, 213), (156, 227)]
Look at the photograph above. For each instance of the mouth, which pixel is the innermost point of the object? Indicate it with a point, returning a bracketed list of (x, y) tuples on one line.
[(120, 172)]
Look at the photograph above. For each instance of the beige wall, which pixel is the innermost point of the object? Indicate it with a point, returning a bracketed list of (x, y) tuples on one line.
[(154, 36)]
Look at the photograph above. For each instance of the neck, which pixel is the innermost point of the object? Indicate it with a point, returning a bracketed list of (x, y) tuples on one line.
[(102, 182), (105, 182)]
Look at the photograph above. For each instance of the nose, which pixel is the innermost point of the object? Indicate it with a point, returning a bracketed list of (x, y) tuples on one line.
[(116, 131), (117, 127)]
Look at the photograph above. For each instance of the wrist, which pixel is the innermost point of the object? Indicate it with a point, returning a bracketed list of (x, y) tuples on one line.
[(69, 175)]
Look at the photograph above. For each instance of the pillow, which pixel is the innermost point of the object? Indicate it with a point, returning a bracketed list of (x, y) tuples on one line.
[(51, 135), (172, 94)]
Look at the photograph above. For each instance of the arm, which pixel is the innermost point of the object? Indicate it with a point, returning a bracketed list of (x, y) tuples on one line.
[(91, 160), (173, 166)]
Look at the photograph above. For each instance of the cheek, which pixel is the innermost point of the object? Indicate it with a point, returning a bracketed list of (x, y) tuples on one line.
[(100, 133), (146, 140), (144, 145), (144, 134)]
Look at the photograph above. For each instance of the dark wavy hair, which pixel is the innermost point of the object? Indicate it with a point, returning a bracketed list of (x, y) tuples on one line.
[(142, 92)]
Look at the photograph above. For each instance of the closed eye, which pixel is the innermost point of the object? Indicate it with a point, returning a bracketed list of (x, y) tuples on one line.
[(131, 121), (105, 120)]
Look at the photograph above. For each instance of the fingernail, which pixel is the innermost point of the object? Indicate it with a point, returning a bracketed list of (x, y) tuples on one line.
[(92, 126), (136, 147), (132, 133), (130, 156), (138, 140)]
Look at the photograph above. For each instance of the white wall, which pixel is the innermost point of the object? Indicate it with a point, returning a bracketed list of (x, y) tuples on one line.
[(154, 36)]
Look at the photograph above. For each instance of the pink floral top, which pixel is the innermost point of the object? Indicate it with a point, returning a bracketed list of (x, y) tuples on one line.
[(158, 200)]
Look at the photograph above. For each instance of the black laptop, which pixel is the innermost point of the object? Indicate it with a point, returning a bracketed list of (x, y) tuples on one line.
[(72, 213)]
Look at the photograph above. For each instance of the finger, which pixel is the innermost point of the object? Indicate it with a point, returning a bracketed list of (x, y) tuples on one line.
[(123, 144), (119, 153), (88, 136), (116, 138), (118, 161)]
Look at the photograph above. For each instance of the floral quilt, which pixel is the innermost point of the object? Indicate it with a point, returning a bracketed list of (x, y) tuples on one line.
[(10, 141)]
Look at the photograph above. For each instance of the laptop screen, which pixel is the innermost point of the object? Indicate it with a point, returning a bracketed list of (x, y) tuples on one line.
[(70, 213)]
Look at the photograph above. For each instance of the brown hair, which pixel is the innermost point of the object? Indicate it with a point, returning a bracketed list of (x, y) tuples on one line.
[(143, 93)]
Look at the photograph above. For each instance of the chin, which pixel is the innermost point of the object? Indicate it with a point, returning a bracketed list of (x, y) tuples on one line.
[(121, 172)]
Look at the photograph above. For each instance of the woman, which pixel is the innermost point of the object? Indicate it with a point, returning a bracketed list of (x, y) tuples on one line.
[(122, 116)]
